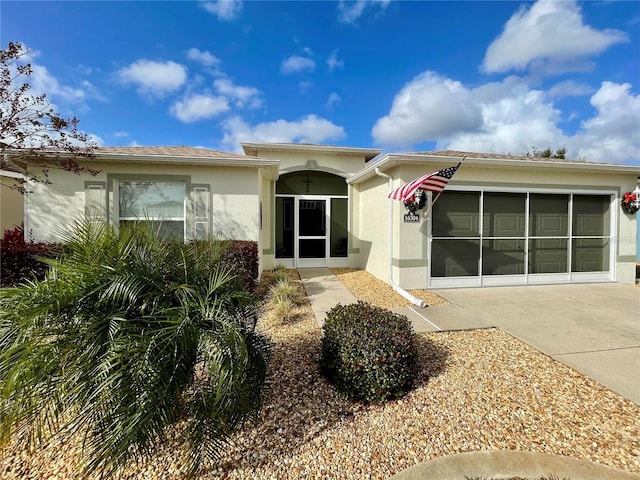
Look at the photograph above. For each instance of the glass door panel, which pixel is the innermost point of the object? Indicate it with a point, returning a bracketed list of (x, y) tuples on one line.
[(312, 231), (312, 248), (339, 232), (313, 218), (284, 227)]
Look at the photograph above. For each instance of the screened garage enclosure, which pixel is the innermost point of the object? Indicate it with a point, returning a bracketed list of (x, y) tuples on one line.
[(500, 220), (486, 237)]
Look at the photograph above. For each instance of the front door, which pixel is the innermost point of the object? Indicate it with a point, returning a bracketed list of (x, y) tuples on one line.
[(311, 231), (312, 221)]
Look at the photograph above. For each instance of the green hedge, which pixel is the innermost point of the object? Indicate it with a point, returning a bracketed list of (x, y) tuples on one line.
[(369, 353)]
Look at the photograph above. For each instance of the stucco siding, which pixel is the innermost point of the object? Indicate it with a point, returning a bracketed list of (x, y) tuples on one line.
[(233, 206), (340, 164), (373, 232)]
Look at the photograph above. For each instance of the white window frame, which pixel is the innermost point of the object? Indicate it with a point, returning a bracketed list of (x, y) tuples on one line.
[(118, 218)]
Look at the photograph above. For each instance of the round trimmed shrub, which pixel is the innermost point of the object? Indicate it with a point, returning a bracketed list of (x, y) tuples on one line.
[(368, 353)]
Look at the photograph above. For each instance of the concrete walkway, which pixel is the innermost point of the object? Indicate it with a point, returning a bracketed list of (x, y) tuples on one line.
[(594, 328), (324, 291)]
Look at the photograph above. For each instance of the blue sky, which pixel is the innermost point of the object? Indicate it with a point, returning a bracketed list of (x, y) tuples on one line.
[(401, 76)]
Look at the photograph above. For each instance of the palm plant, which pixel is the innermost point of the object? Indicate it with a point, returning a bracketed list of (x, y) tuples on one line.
[(126, 335)]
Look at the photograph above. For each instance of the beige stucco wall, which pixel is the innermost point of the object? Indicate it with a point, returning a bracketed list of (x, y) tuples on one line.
[(339, 163), (410, 239), (371, 233), (11, 206), (234, 201)]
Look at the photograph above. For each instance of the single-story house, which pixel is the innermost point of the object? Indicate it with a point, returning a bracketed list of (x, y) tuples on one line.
[(502, 219)]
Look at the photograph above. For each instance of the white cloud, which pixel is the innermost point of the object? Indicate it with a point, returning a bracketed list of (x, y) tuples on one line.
[(154, 78), (550, 37), (120, 134), (510, 117), (199, 107), (333, 99), (224, 9), (204, 57), (613, 133), (569, 88), (244, 97), (514, 119), (350, 12), (310, 128), (43, 82), (333, 62), (297, 64), (429, 106)]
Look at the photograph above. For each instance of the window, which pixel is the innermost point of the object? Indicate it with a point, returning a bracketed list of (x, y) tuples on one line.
[(162, 204)]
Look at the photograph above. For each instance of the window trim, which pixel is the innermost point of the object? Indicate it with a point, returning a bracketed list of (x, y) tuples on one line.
[(96, 185)]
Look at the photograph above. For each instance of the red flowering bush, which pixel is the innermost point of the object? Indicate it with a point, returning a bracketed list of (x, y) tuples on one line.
[(19, 259)]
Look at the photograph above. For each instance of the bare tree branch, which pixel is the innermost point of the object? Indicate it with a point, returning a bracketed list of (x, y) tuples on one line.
[(32, 134)]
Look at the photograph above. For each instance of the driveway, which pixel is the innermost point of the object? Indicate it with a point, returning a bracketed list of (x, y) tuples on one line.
[(594, 328)]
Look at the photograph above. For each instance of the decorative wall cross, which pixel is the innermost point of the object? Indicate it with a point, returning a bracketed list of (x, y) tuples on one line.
[(308, 182)]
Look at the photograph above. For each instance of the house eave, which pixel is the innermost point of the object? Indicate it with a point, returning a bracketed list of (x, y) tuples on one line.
[(252, 148), (393, 160), (269, 167)]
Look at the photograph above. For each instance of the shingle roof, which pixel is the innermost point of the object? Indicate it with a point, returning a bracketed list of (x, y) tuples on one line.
[(252, 148), (177, 151), (498, 156)]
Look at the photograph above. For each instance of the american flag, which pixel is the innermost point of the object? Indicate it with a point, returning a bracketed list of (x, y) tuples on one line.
[(433, 182)]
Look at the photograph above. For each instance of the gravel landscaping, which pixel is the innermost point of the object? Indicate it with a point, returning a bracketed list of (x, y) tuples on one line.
[(370, 289), (477, 390)]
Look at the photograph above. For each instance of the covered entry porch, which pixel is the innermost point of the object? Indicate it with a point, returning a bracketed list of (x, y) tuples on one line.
[(311, 220)]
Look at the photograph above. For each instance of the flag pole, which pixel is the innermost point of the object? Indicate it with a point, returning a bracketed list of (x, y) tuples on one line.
[(440, 193)]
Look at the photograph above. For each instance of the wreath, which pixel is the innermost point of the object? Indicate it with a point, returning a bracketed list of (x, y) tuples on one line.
[(416, 202), (630, 203)]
